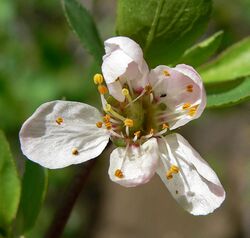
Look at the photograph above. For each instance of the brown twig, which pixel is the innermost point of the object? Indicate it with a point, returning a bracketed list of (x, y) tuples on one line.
[(65, 207)]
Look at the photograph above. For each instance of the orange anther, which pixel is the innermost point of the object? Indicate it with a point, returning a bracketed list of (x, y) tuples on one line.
[(99, 124), (59, 120), (166, 73), (102, 89), (119, 174), (189, 88)]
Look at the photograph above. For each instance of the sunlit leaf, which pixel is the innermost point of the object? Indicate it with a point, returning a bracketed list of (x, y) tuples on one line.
[(83, 25), (201, 52), (34, 187), (232, 64), (229, 93), (10, 188), (163, 28)]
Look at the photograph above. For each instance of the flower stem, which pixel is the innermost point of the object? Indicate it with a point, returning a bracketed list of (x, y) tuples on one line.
[(63, 212)]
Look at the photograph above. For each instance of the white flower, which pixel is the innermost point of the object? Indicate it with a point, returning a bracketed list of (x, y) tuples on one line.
[(141, 108)]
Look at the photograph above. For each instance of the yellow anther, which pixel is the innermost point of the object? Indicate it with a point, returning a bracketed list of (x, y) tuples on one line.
[(102, 89), (106, 118), (128, 122), (108, 125), (74, 151), (125, 91), (174, 169), (169, 175), (59, 120), (99, 124), (137, 134), (119, 174), (186, 105), (108, 108), (189, 88), (192, 111), (148, 88), (166, 73), (98, 79), (165, 126)]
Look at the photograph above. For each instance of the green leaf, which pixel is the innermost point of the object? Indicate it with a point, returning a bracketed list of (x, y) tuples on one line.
[(10, 188), (201, 52), (84, 27), (229, 93), (232, 64), (163, 28), (34, 187)]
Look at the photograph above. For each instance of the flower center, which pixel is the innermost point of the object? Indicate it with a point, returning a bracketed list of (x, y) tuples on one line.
[(134, 120), (141, 115)]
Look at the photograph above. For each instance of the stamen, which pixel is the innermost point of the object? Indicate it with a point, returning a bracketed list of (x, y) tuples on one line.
[(169, 175), (59, 120), (98, 79), (148, 89), (99, 124), (192, 111), (74, 151), (113, 133), (119, 174), (186, 105), (136, 135), (106, 118), (125, 92), (166, 73), (108, 108), (174, 169), (102, 89), (128, 122), (189, 88), (165, 126), (108, 125)]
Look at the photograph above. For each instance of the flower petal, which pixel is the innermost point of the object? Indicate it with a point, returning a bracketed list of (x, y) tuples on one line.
[(137, 164), (61, 133), (196, 187), (128, 47), (124, 61), (183, 91)]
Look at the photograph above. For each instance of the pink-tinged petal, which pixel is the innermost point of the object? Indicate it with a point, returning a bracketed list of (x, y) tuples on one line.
[(114, 65), (115, 89), (124, 60), (127, 45), (193, 74), (182, 90), (137, 165), (195, 187), (61, 133)]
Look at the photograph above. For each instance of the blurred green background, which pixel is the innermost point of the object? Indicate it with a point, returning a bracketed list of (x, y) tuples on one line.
[(41, 60)]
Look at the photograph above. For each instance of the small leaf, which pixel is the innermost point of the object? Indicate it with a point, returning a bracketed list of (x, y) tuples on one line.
[(232, 64), (84, 27), (34, 187), (163, 28), (201, 52), (229, 93), (10, 188)]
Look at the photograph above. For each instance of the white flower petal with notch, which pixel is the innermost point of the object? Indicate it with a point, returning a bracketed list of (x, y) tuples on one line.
[(62, 133), (180, 91), (137, 164), (196, 187)]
